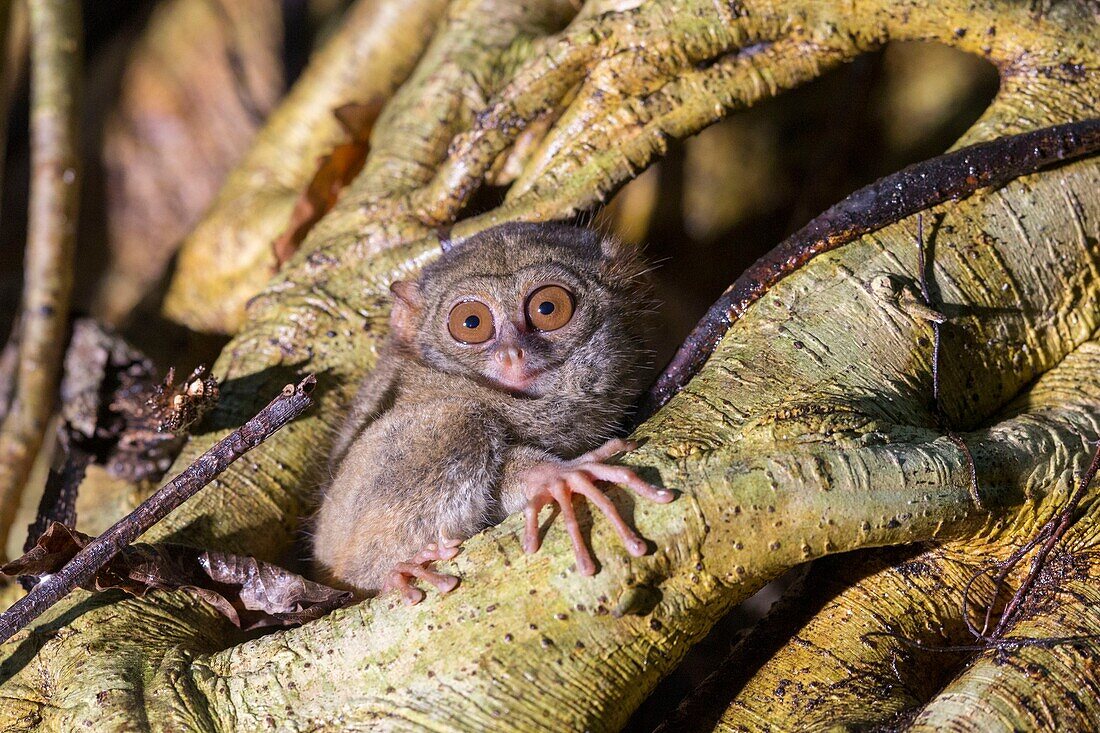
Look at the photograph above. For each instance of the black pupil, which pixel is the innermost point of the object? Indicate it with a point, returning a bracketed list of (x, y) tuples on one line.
[(546, 307), (471, 322)]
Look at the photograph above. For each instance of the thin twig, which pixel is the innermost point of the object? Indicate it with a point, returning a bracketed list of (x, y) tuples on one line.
[(1054, 530), (82, 568), (954, 175), (923, 274), (999, 580), (1049, 534), (51, 235), (926, 295)]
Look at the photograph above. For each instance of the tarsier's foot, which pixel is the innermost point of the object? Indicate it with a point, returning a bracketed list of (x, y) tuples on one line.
[(556, 482), (401, 576)]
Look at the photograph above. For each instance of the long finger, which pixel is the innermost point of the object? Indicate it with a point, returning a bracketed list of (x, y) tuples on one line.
[(585, 564), (634, 544), (610, 448), (626, 477), (531, 540)]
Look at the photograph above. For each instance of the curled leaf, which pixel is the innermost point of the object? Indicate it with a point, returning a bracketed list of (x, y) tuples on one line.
[(250, 593), (334, 171)]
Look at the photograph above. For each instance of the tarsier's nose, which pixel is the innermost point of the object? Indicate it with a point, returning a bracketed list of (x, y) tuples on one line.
[(510, 357)]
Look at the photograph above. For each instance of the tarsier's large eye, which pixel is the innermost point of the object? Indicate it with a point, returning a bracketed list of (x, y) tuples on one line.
[(549, 308), (471, 322)]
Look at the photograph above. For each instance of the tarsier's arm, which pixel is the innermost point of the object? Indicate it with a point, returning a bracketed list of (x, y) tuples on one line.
[(413, 484), (532, 478)]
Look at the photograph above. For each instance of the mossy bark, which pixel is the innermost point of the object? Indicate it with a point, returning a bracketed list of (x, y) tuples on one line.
[(810, 431)]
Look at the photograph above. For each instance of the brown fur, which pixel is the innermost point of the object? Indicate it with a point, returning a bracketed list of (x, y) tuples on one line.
[(432, 446)]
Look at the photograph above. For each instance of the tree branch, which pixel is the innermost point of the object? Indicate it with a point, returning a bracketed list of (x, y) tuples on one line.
[(51, 237), (951, 176), (228, 257)]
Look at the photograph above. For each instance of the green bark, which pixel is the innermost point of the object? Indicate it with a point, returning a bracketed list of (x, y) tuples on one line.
[(808, 433)]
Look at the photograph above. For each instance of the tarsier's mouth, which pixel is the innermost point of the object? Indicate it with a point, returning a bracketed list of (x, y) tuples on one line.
[(517, 384)]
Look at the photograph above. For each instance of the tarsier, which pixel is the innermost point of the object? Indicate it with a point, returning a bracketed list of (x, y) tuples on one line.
[(508, 358)]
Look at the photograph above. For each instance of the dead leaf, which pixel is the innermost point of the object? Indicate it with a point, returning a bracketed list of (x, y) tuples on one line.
[(334, 171), (250, 593), (97, 362), (115, 410), (115, 414)]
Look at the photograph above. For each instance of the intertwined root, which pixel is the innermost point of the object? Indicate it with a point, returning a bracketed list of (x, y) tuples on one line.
[(830, 492)]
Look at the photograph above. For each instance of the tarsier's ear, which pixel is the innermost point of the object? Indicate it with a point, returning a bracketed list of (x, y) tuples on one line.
[(406, 309), (621, 260), (614, 248)]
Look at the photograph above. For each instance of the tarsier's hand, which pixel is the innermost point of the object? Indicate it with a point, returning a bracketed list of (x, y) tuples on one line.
[(403, 572), (557, 481)]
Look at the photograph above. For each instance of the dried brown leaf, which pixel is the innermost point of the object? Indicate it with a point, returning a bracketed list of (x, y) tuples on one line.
[(97, 363), (250, 593), (334, 171), (114, 409)]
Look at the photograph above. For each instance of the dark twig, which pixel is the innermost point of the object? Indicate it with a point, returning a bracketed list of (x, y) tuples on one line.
[(926, 295), (58, 502), (1004, 569), (923, 274), (1048, 536), (284, 408), (51, 236), (919, 187)]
